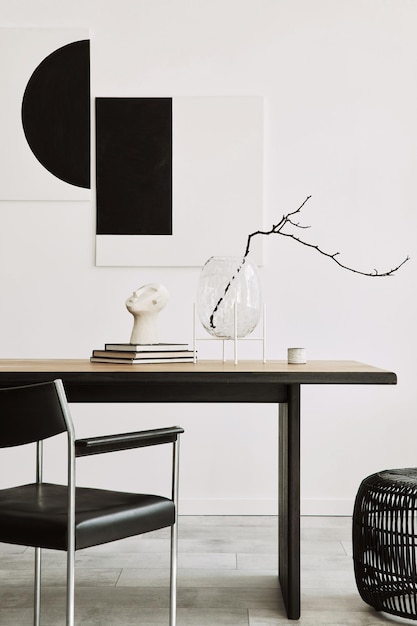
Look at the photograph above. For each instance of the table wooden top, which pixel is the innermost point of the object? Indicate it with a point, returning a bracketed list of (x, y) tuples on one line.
[(313, 372)]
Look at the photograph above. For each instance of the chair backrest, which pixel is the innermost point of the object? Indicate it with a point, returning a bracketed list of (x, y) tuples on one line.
[(31, 413)]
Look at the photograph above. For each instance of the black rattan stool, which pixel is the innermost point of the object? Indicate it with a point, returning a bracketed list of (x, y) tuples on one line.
[(385, 541)]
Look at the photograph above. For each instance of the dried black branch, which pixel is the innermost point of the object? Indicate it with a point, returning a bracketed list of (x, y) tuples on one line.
[(229, 284), (277, 229), (286, 219), (333, 256)]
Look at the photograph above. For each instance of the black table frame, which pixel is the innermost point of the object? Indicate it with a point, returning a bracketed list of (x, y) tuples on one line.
[(191, 383)]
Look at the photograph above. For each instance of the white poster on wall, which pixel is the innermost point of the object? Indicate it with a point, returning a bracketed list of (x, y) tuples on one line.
[(217, 195), (22, 176)]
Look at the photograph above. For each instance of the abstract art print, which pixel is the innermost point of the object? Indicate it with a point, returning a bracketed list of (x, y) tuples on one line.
[(45, 122), (178, 179)]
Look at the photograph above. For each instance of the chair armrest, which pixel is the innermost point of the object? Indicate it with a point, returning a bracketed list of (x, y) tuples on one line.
[(126, 441)]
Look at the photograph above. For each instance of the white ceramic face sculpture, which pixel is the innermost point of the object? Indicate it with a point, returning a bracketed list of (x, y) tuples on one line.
[(144, 304)]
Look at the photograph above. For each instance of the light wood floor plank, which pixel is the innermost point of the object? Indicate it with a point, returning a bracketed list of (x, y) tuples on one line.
[(227, 577)]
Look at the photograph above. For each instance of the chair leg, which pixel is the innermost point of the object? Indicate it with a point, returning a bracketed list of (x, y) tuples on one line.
[(173, 576), (70, 587), (37, 588), (174, 535)]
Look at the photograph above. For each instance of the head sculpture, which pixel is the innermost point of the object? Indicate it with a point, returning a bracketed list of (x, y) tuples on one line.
[(144, 304)]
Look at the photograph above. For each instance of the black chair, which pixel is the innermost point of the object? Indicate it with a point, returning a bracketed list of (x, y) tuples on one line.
[(66, 517)]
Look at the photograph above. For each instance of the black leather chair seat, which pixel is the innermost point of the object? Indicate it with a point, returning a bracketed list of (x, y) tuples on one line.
[(101, 515)]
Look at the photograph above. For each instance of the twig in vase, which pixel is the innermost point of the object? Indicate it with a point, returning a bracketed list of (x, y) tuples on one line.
[(229, 284), (277, 229)]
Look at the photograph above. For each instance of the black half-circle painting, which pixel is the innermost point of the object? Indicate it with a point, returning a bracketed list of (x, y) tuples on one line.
[(56, 113)]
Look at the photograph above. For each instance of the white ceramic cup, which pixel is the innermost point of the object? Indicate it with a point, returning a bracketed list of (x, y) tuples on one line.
[(297, 355)]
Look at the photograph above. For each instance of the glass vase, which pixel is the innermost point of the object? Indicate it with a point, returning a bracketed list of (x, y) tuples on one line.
[(225, 282)]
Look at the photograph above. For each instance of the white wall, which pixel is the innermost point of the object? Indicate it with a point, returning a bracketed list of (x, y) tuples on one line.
[(340, 89)]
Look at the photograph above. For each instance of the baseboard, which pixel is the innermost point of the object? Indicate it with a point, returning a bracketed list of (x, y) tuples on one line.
[(330, 507), (228, 507)]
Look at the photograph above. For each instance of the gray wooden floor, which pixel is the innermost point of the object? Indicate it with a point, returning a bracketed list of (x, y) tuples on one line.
[(227, 577)]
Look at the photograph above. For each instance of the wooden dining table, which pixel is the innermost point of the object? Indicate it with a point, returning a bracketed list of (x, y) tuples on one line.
[(274, 382)]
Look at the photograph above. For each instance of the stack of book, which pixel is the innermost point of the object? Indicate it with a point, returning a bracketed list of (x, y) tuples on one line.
[(143, 353)]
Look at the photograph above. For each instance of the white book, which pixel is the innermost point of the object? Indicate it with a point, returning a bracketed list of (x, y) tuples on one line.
[(146, 347), (142, 354), (144, 361)]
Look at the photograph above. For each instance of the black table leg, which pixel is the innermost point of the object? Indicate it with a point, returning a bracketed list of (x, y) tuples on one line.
[(289, 501)]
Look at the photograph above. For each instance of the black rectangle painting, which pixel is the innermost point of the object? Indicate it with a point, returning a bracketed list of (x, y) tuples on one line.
[(134, 166)]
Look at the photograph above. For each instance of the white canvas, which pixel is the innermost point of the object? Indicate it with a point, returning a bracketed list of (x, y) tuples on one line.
[(217, 187), (22, 177)]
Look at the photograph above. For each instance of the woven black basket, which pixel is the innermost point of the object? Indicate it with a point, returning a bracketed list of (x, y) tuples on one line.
[(385, 541)]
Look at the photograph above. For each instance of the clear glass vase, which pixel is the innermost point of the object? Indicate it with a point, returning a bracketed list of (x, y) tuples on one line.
[(224, 282)]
